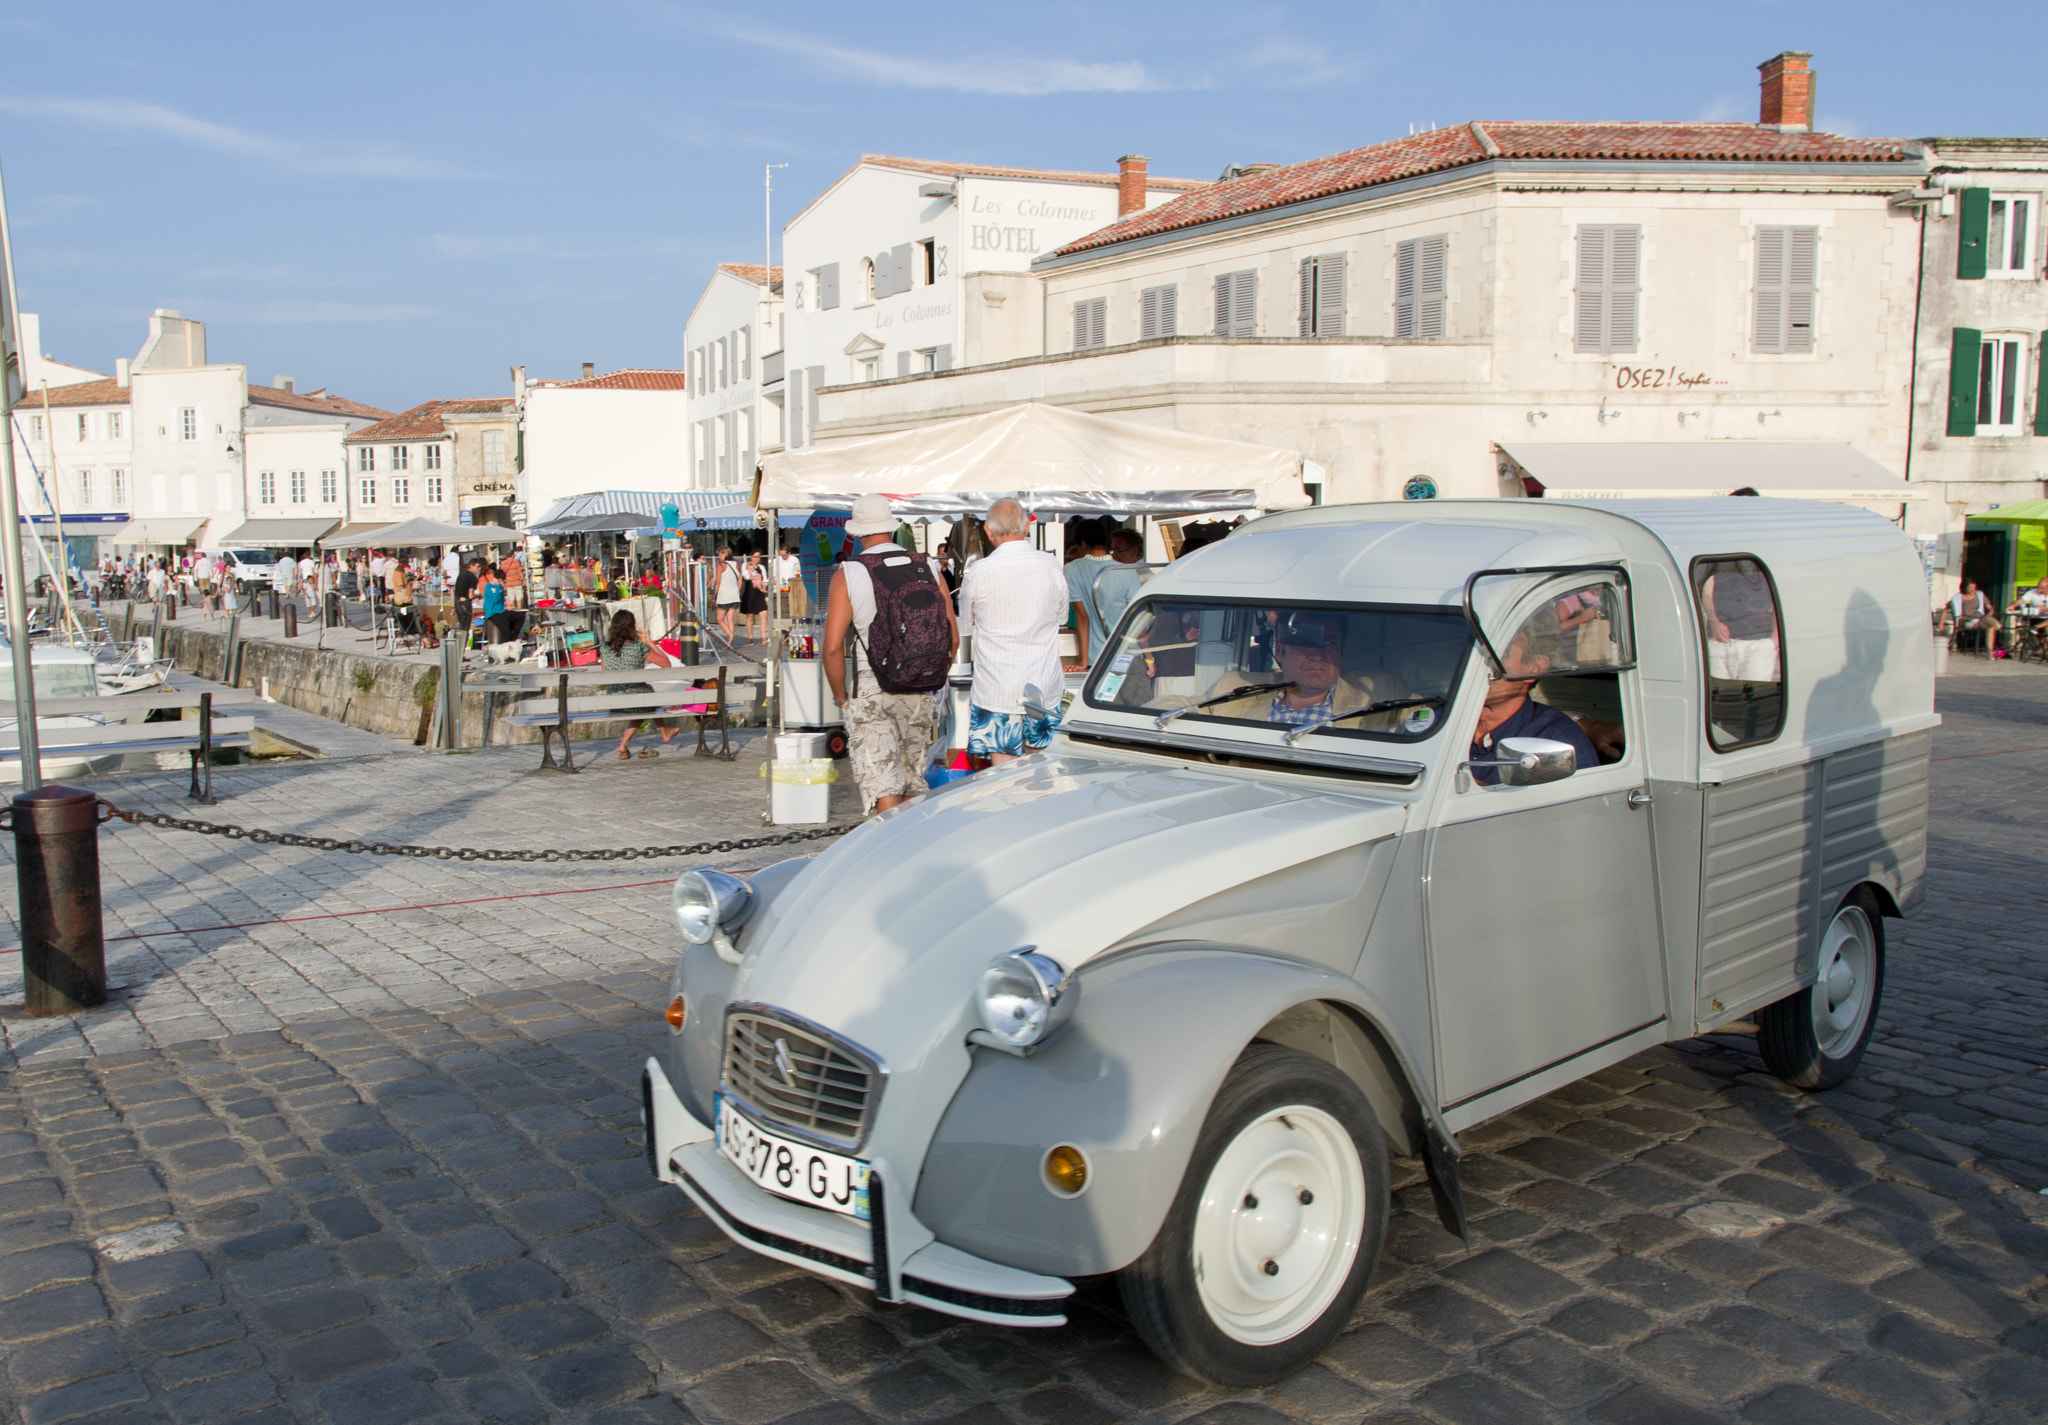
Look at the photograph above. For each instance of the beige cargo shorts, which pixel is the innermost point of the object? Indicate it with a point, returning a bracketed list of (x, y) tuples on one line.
[(887, 737)]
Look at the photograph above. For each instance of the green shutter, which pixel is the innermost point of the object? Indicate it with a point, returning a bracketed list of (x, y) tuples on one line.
[(2041, 386), (1973, 246), (1966, 349)]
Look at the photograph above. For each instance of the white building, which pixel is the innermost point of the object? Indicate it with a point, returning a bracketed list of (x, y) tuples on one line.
[(73, 446), (624, 430), (734, 368), (905, 266), (1483, 309), (406, 467)]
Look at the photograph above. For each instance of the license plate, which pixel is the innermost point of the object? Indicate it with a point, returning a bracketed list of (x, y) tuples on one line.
[(791, 1169)]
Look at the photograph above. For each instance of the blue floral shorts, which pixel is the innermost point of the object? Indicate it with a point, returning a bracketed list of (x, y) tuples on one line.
[(1008, 734)]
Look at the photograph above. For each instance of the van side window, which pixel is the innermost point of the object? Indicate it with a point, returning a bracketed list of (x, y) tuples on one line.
[(1744, 638)]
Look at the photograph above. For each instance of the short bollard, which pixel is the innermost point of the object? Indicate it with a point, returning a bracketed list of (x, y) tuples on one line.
[(57, 871), (171, 608), (291, 619)]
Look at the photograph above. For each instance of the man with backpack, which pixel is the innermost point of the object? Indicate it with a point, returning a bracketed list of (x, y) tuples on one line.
[(904, 636)]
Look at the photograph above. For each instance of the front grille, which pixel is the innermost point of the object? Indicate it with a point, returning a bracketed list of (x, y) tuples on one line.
[(830, 1088)]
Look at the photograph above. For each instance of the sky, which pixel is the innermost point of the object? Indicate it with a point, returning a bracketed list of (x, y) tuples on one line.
[(401, 201)]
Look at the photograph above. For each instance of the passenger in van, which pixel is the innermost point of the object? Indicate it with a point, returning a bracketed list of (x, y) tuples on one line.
[(1511, 712), (1742, 624), (1308, 652)]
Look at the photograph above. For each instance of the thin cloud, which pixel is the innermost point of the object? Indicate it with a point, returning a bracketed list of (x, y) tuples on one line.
[(136, 117), (1018, 77), (296, 310), (456, 247)]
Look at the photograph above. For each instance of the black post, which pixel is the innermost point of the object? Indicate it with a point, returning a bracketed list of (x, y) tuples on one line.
[(170, 606), (156, 632), (202, 756), (231, 657), (562, 715), (686, 638), (57, 871), (127, 623), (291, 619)]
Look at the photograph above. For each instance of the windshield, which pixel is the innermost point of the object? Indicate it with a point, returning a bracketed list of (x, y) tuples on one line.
[(53, 680), (1339, 671), (253, 556)]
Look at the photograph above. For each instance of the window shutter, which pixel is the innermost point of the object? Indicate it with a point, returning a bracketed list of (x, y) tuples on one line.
[(1966, 349), (828, 287), (1244, 303), (1306, 315), (902, 363), (793, 409), (1168, 316), (1589, 321), (1429, 286), (1404, 288), (1148, 314), (1330, 294), (899, 268), (1768, 316), (1080, 325), (746, 340), (1097, 330), (1973, 244), (1802, 257), (944, 360), (814, 377), (1624, 247), (1223, 284)]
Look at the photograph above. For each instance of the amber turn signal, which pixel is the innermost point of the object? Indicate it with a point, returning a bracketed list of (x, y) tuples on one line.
[(675, 1014), (1066, 1170)]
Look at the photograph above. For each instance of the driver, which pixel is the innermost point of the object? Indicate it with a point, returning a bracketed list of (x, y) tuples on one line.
[(1511, 712), (1308, 652)]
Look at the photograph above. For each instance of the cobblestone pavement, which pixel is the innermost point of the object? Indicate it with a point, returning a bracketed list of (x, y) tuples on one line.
[(423, 1211)]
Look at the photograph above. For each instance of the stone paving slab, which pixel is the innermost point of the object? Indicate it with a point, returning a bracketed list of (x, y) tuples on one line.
[(427, 1213)]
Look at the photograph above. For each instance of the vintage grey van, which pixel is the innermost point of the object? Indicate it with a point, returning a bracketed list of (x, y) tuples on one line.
[(1374, 822)]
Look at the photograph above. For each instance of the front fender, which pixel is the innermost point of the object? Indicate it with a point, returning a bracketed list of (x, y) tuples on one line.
[(1128, 1083)]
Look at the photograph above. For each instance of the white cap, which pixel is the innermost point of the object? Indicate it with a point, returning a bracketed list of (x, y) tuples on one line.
[(871, 515)]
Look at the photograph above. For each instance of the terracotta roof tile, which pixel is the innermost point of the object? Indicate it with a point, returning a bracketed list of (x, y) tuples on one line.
[(86, 393), (1058, 175), (1442, 149), (424, 421), (633, 378), (325, 405), (751, 272)]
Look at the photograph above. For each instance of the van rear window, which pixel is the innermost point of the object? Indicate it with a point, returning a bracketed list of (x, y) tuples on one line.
[(1743, 636)]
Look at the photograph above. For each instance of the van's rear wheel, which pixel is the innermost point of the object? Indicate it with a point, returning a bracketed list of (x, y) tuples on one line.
[(1813, 1039), (1276, 1228)]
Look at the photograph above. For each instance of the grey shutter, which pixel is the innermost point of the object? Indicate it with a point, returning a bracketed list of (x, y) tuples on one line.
[(1305, 312), (1624, 250), (1080, 325), (1244, 303), (1429, 286), (899, 265), (828, 287), (1589, 319), (1101, 324), (1090, 322), (1223, 304), (944, 357), (1157, 312), (1330, 294), (793, 409), (746, 338), (1768, 319), (1404, 288), (1802, 270), (1168, 315), (902, 363), (815, 377)]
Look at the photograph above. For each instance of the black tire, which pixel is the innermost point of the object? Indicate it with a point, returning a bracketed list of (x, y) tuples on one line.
[(1788, 1033), (1161, 1290)]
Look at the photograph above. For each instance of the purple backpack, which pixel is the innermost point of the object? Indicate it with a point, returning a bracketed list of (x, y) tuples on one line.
[(910, 643)]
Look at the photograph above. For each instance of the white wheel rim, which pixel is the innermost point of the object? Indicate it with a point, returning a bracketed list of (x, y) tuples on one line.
[(1841, 988), (1267, 1262)]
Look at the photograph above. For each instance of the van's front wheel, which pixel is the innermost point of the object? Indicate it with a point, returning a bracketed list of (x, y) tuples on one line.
[(1276, 1228), (1813, 1039)]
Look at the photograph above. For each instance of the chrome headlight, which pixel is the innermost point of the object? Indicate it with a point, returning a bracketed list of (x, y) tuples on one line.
[(1024, 999), (706, 902)]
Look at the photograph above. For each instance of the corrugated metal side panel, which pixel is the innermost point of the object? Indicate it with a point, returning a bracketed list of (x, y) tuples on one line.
[(1875, 828), (1758, 874)]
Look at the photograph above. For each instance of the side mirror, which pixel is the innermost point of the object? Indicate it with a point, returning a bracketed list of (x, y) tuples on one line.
[(1532, 761), (1034, 701)]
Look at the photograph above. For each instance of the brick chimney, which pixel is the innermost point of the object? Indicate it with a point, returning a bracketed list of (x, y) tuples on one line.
[(589, 369), (1787, 92), (1130, 184), (282, 382)]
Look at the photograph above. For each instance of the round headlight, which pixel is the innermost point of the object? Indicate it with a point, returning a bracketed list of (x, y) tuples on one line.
[(1024, 997), (705, 900)]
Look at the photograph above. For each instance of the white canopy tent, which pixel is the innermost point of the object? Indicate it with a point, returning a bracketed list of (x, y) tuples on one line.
[(1053, 459)]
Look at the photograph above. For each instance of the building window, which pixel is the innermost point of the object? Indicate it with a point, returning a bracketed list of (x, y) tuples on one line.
[(1786, 268), (927, 257), (1606, 291), (867, 279), (401, 456), (871, 368), (433, 484), (113, 425), (1419, 265), (366, 457), (117, 492), (430, 457), (266, 488), (298, 487), (401, 491), (1322, 295), (85, 489), (2001, 368), (366, 493), (330, 487), (494, 452), (1158, 311), (1091, 321), (35, 428), (84, 424), (188, 423), (1237, 304), (2010, 240)]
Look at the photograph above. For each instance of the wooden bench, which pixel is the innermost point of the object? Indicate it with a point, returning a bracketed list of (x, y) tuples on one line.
[(208, 732), (555, 714)]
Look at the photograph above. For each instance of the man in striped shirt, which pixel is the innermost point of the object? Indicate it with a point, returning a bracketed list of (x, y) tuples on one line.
[(1013, 602)]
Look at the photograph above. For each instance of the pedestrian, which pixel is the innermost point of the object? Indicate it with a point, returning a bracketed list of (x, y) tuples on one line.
[(888, 709), (789, 580), (725, 591), (495, 618), (451, 566), (159, 581), (754, 597), (465, 592), (1090, 632), (1011, 604), (625, 647)]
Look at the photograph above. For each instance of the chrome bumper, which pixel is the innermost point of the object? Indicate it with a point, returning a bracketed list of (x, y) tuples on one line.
[(680, 1150)]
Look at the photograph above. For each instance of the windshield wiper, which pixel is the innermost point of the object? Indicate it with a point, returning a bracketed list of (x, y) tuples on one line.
[(1230, 697), (1388, 706)]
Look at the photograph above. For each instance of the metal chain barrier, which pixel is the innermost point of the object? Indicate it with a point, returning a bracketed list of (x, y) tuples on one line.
[(456, 853)]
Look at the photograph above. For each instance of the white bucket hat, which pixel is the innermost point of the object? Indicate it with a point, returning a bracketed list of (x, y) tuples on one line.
[(871, 515)]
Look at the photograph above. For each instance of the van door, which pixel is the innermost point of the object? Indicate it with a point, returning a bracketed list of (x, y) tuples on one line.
[(1544, 934)]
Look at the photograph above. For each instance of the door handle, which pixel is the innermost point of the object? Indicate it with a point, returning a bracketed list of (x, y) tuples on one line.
[(1638, 798)]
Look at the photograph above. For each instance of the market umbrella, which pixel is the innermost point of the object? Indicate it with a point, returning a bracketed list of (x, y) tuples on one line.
[(2028, 512)]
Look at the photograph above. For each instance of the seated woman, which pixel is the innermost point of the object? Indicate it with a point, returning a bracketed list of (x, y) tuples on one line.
[(626, 647)]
